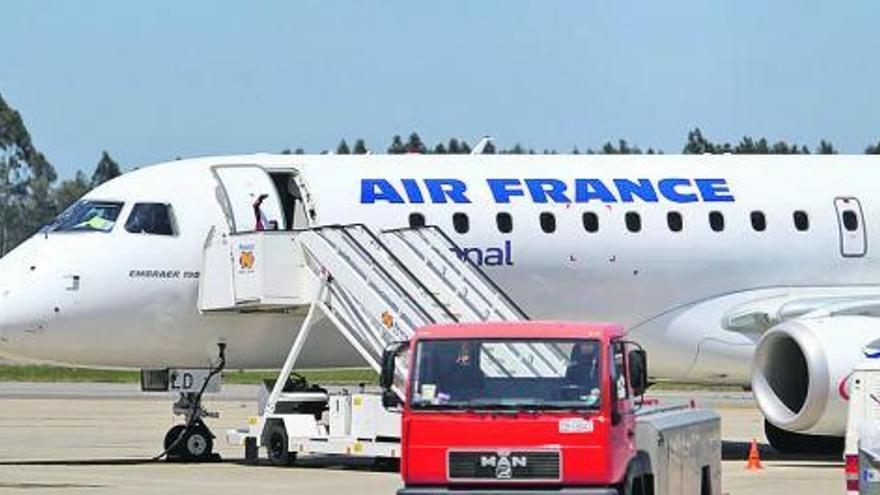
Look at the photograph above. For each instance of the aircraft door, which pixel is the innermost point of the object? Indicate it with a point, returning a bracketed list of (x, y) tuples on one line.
[(851, 224), (243, 185)]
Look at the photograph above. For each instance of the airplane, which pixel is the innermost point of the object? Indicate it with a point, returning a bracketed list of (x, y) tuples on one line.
[(744, 270)]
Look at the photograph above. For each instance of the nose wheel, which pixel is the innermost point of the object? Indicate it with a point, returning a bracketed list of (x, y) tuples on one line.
[(195, 444)]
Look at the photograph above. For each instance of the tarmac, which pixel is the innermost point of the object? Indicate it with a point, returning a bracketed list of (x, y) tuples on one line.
[(99, 438)]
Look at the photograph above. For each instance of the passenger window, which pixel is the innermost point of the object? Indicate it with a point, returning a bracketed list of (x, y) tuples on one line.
[(150, 218), (801, 220), (674, 221), (461, 223), (591, 221), (759, 221), (850, 220), (716, 221), (633, 221), (504, 222), (416, 220), (548, 222)]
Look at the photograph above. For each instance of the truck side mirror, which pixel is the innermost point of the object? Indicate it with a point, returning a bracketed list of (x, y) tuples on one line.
[(638, 371)]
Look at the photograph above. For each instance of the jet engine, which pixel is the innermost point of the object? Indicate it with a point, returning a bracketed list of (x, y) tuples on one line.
[(801, 368)]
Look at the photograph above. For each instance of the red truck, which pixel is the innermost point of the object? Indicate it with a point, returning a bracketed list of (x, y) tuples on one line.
[(545, 407)]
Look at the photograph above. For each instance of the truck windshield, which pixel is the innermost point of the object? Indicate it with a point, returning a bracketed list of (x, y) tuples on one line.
[(507, 374)]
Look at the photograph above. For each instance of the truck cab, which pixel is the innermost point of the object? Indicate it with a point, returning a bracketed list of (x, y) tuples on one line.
[(541, 405)]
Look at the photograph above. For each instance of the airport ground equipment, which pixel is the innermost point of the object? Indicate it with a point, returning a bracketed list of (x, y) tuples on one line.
[(474, 421), (862, 440), (375, 289)]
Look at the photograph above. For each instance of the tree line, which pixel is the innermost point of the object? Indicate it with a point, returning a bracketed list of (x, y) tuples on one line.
[(696, 143), (31, 194)]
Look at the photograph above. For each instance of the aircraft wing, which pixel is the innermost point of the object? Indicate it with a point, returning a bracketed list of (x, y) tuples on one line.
[(758, 316)]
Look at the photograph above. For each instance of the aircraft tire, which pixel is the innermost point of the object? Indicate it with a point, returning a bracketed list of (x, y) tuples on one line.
[(198, 444)]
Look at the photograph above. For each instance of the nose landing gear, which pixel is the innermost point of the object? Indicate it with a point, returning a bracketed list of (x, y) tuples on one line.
[(193, 441)]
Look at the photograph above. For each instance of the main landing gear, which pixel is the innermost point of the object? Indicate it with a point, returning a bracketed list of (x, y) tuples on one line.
[(192, 441)]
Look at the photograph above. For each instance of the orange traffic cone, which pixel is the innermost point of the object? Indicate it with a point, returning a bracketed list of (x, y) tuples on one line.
[(754, 457)]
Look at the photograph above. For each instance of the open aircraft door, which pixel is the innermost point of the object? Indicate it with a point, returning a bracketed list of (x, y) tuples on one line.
[(851, 223), (242, 185)]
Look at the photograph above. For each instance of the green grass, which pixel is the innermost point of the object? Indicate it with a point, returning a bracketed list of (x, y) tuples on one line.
[(686, 387), (38, 373), (58, 374)]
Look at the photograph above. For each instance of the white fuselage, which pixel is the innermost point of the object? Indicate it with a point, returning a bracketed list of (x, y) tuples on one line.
[(135, 304)]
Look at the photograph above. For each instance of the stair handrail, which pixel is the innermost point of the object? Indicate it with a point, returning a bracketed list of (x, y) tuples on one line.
[(342, 228), (482, 274)]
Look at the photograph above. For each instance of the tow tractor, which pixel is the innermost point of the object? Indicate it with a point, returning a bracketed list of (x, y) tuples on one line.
[(542, 407)]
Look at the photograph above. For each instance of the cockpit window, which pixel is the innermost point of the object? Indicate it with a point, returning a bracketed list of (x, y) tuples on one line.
[(87, 216), (150, 218)]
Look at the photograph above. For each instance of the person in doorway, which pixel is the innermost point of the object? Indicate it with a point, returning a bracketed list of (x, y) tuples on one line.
[(261, 221)]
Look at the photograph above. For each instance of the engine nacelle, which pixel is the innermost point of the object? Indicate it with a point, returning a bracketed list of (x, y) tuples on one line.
[(800, 368)]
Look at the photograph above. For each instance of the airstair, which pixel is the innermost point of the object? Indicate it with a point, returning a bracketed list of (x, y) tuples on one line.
[(380, 288), (376, 289)]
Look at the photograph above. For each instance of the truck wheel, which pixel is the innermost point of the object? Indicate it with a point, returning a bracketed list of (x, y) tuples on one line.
[(628, 485), (635, 484), (275, 441)]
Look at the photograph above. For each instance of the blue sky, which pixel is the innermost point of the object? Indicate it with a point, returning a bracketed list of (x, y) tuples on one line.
[(150, 81)]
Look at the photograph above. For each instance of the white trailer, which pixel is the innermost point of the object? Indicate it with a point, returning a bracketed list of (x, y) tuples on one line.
[(862, 441)]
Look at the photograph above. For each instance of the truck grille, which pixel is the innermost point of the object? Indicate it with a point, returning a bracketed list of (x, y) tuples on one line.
[(502, 465)]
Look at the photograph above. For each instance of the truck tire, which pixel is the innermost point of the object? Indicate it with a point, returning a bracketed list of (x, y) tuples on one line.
[(638, 480), (628, 487), (275, 441)]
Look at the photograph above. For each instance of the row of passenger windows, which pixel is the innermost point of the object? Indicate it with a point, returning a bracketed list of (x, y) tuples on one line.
[(633, 221)]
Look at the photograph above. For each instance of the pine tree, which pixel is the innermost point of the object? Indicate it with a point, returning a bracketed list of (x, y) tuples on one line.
[(415, 145), (342, 148), (873, 149), (439, 149), (454, 148), (396, 147), (360, 147), (489, 149), (825, 148), (105, 170), (697, 144), (69, 191)]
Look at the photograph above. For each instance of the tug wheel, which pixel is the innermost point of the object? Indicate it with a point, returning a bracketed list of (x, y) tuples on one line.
[(275, 441)]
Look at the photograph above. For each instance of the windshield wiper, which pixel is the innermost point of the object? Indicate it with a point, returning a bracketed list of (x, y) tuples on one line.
[(570, 407), (446, 406)]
